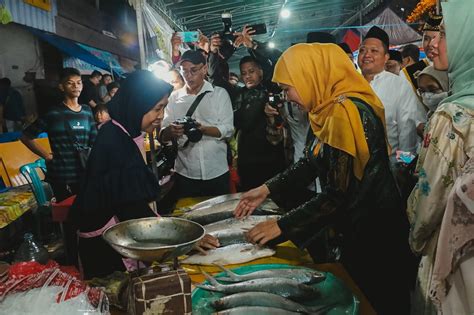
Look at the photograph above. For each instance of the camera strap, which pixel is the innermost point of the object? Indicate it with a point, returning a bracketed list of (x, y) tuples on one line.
[(192, 109), (195, 104)]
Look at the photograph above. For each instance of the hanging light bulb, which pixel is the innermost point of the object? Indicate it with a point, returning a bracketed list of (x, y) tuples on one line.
[(285, 13)]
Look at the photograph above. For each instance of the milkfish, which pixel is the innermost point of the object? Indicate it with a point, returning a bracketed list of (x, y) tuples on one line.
[(300, 275), (231, 254), (238, 224), (211, 213), (255, 310), (268, 300), (287, 288)]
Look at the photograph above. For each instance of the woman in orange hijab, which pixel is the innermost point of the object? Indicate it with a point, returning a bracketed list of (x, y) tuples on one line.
[(350, 157)]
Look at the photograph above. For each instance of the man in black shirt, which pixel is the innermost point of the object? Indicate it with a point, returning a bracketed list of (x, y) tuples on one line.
[(90, 90)]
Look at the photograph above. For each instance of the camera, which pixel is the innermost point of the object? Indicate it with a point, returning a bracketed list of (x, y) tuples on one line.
[(274, 100), (227, 35), (191, 129)]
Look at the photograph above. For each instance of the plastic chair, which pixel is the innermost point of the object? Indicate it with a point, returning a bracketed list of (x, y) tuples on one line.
[(29, 172)]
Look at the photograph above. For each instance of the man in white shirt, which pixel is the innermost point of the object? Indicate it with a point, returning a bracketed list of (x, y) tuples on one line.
[(201, 166), (403, 109)]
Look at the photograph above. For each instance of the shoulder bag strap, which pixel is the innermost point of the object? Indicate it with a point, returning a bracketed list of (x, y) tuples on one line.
[(195, 104)]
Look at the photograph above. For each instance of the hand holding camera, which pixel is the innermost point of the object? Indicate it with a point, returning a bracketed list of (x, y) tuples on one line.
[(272, 109), (244, 37), (189, 127)]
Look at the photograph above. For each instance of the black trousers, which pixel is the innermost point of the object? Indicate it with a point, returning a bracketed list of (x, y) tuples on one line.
[(188, 187)]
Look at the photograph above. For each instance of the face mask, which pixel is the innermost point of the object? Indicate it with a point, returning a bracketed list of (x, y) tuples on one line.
[(432, 100)]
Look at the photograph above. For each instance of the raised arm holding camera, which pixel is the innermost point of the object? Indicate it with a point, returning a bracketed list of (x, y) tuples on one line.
[(199, 117)]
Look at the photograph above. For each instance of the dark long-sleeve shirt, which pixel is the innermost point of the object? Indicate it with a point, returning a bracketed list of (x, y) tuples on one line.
[(344, 200)]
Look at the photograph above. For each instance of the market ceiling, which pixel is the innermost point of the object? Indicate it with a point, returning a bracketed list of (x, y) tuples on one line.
[(305, 16)]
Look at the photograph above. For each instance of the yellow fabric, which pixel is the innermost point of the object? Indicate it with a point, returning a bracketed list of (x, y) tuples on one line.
[(324, 78)]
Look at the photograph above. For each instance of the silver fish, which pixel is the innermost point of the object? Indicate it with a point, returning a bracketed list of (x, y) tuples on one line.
[(210, 212), (300, 275), (287, 288), (231, 254), (255, 310), (242, 224), (230, 237), (266, 299)]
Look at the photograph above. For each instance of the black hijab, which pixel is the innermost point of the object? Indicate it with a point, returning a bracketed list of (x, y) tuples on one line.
[(138, 94)]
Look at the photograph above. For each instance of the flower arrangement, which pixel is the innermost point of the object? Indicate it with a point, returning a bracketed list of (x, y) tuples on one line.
[(421, 8)]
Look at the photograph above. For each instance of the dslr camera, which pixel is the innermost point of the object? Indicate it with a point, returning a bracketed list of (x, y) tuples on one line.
[(227, 35), (191, 129), (274, 100)]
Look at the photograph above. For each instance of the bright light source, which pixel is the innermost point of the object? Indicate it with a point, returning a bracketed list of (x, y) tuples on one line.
[(285, 13), (271, 44)]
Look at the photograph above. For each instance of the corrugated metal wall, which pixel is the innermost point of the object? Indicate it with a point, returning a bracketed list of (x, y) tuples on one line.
[(29, 15)]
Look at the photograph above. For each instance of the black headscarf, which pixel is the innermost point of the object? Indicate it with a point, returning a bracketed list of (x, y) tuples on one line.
[(137, 95)]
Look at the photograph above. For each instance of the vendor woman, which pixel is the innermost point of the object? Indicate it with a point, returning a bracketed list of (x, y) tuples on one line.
[(118, 184), (358, 195)]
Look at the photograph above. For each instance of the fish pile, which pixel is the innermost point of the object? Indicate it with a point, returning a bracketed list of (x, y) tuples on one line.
[(217, 217), (222, 207), (272, 291)]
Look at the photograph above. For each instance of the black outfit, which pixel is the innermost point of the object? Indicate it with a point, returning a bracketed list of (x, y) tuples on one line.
[(367, 212), (90, 92), (258, 159), (117, 181)]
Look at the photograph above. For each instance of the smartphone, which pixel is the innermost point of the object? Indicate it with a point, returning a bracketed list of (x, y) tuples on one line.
[(189, 37), (260, 28)]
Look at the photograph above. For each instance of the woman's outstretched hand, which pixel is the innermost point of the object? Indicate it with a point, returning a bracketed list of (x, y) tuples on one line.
[(264, 232), (251, 200)]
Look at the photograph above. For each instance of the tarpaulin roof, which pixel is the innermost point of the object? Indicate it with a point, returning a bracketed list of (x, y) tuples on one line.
[(398, 31), (74, 49)]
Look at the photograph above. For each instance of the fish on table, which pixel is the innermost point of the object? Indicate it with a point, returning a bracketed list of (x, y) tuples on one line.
[(287, 288), (301, 275), (266, 300), (255, 310), (229, 255), (210, 212)]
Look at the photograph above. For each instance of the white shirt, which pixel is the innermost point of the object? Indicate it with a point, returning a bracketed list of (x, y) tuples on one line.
[(206, 159), (402, 110)]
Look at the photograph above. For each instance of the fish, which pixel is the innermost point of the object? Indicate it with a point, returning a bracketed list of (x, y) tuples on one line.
[(255, 310), (234, 223), (231, 254), (232, 231), (301, 275), (265, 299), (287, 288), (213, 212)]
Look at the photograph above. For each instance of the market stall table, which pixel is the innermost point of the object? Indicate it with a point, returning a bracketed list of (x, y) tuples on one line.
[(14, 203), (286, 253)]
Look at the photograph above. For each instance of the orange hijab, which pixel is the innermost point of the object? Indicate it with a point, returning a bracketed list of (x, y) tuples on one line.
[(324, 77)]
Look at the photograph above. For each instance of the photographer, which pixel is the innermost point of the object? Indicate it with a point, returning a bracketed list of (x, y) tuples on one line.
[(261, 153), (201, 165)]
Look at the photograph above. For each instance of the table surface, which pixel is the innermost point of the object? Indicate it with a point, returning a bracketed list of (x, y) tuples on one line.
[(14, 203), (286, 253)]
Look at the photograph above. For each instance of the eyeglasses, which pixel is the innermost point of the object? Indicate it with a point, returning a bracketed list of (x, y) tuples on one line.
[(192, 71), (421, 92)]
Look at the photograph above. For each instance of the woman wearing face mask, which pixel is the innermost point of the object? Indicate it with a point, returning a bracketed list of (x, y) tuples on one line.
[(359, 195), (447, 147), (432, 88)]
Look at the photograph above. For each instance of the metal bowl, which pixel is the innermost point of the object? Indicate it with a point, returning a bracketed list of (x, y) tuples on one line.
[(154, 239)]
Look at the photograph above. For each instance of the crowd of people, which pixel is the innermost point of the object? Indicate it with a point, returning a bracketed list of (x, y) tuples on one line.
[(317, 131)]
